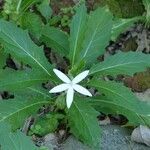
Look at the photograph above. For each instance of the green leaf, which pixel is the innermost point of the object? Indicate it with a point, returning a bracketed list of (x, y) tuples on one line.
[(122, 63), (39, 90), (15, 111), (15, 141), (83, 122), (20, 7), (97, 36), (25, 4), (45, 9), (18, 43), (109, 106), (3, 58), (32, 22), (125, 8), (147, 8), (21, 79), (45, 125), (146, 4), (121, 25), (33, 92), (55, 39), (77, 30), (16, 8), (122, 96)]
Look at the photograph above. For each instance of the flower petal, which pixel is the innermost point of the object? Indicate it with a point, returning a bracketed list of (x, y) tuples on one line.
[(81, 90), (62, 76), (59, 88), (80, 76), (69, 99)]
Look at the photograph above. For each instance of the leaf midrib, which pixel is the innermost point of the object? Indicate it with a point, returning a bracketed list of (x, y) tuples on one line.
[(38, 91), (26, 107), (76, 41), (121, 24), (54, 41), (26, 52), (84, 121), (109, 102), (18, 82), (115, 66), (89, 45), (111, 92)]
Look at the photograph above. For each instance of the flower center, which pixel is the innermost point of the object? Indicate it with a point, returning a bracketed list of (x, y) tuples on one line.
[(71, 84)]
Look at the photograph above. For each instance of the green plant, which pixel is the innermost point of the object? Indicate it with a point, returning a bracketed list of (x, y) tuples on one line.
[(46, 124), (147, 8), (16, 141), (32, 19), (88, 38), (129, 8), (65, 20), (15, 8), (123, 9)]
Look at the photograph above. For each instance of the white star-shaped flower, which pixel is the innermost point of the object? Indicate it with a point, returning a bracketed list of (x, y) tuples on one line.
[(70, 86)]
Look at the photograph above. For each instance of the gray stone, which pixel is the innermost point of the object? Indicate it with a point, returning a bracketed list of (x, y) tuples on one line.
[(76, 1), (141, 134), (118, 138), (51, 141), (144, 96), (113, 138), (73, 144)]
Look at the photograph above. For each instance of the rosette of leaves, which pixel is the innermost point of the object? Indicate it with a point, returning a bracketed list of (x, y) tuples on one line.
[(89, 36)]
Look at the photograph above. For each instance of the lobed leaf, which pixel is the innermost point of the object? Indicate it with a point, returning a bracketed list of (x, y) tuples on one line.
[(83, 122), (97, 36), (77, 30), (32, 22), (15, 111), (55, 39), (109, 106), (18, 43), (39, 90), (121, 25), (122, 63), (15, 141), (45, 9), (117, 92), (15, 80)]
